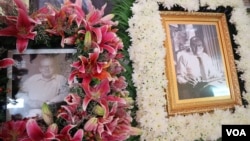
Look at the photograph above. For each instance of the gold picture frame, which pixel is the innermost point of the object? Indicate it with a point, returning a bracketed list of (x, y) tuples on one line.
[(190, 91)]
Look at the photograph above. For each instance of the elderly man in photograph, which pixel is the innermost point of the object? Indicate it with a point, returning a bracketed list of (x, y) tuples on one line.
[(44, 87), (196, 75)]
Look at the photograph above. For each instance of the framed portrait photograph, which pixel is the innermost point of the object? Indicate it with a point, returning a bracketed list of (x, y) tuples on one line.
[(200, 65), (37, 4), (38, 76)]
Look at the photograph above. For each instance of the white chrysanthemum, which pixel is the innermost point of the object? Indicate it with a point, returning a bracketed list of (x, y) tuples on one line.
[(246, 96), (213, 4), (186, 4)]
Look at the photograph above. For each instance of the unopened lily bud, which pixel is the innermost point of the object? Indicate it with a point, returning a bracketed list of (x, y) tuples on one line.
[(129, 100), (53, 128), (99, 110), (70, 40), (87, 39), (135, 131), (47, 114)]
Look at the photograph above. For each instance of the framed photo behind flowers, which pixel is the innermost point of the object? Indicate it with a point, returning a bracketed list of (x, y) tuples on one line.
[(199, 63), (38, 76)]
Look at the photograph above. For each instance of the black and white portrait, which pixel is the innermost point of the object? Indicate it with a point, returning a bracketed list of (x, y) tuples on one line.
[(198, 61), (39, 77), (57, 3)]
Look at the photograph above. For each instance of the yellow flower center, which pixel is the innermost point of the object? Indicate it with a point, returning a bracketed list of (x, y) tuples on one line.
[(22, 30)]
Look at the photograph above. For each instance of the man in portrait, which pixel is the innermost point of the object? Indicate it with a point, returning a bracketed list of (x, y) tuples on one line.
[(47, 86), (197, 77)]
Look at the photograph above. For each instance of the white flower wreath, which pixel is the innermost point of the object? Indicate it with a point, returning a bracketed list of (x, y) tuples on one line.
[(147, 53)]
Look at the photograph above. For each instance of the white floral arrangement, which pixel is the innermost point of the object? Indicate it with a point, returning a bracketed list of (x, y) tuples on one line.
[(148, 53)]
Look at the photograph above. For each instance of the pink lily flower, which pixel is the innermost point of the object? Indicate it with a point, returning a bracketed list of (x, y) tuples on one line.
[(110, 41), (89, 67), (22, 30), (107, 125), (65, 134), (57, 21), (106, 39), (58, 24), (42, 13), (6, 62), (67, 112), (115, 68), (61, 20), (116, 126), (72, 99), (121, 132), (119, 84), (35, 132), (99, 93), (13, 130), (74, 10), (20, 27), (96, 16), (71, 114)]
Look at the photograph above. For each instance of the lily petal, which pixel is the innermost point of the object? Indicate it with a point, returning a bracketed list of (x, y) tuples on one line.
[(109, 49), (70, 40), (104, 104), (72, 76), (76, 64), (33, 130), (22, 44), (86, 102), (49, 135), (6, 62), (103, 75), (109, 36), (24, 25), (66, 129), (104, 87), (94, 56), (111, 126), (116, 99), (107, 20), (78, 135), (21, 5), (8, 31), (98, 34), (91, 124)]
